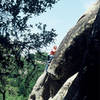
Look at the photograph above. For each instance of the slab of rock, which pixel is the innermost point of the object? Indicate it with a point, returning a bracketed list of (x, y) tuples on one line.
[(64, 89), (78, 52), (68, 58)]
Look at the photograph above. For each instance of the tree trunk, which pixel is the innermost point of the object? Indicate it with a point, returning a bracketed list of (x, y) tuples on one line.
[(4, 95)]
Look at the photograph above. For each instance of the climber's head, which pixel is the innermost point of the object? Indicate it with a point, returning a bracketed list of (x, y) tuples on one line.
[(53, 51), (55, 47)]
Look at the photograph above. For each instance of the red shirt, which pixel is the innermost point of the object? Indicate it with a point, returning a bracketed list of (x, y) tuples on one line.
[(52, 52)]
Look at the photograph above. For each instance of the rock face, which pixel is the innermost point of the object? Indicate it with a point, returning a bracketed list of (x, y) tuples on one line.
[(73, 73)]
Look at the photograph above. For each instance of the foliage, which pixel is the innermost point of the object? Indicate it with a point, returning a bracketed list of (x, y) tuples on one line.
[(29, 80), (20, 87), (17, 39)]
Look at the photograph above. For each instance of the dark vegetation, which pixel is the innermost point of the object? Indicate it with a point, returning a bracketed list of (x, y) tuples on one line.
[(19, 68)]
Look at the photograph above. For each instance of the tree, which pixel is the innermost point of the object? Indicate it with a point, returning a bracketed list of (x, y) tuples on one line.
[(26, 84), (16, 37)]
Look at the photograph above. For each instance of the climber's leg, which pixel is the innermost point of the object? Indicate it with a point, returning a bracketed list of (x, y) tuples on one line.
[(46, 67)]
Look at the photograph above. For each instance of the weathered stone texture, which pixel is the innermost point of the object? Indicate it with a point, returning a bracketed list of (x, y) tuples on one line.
[(78, 52)]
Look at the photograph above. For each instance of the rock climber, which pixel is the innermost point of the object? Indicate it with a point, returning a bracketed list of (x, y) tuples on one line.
[(51, 56)]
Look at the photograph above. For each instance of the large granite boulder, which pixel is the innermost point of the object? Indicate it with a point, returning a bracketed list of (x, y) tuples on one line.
[(73, 73)]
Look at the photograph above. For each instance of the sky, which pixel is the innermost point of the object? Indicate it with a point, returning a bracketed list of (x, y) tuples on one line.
[(62, 17)]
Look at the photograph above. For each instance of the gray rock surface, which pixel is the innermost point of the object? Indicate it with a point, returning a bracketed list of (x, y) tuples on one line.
[(78, 52)]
